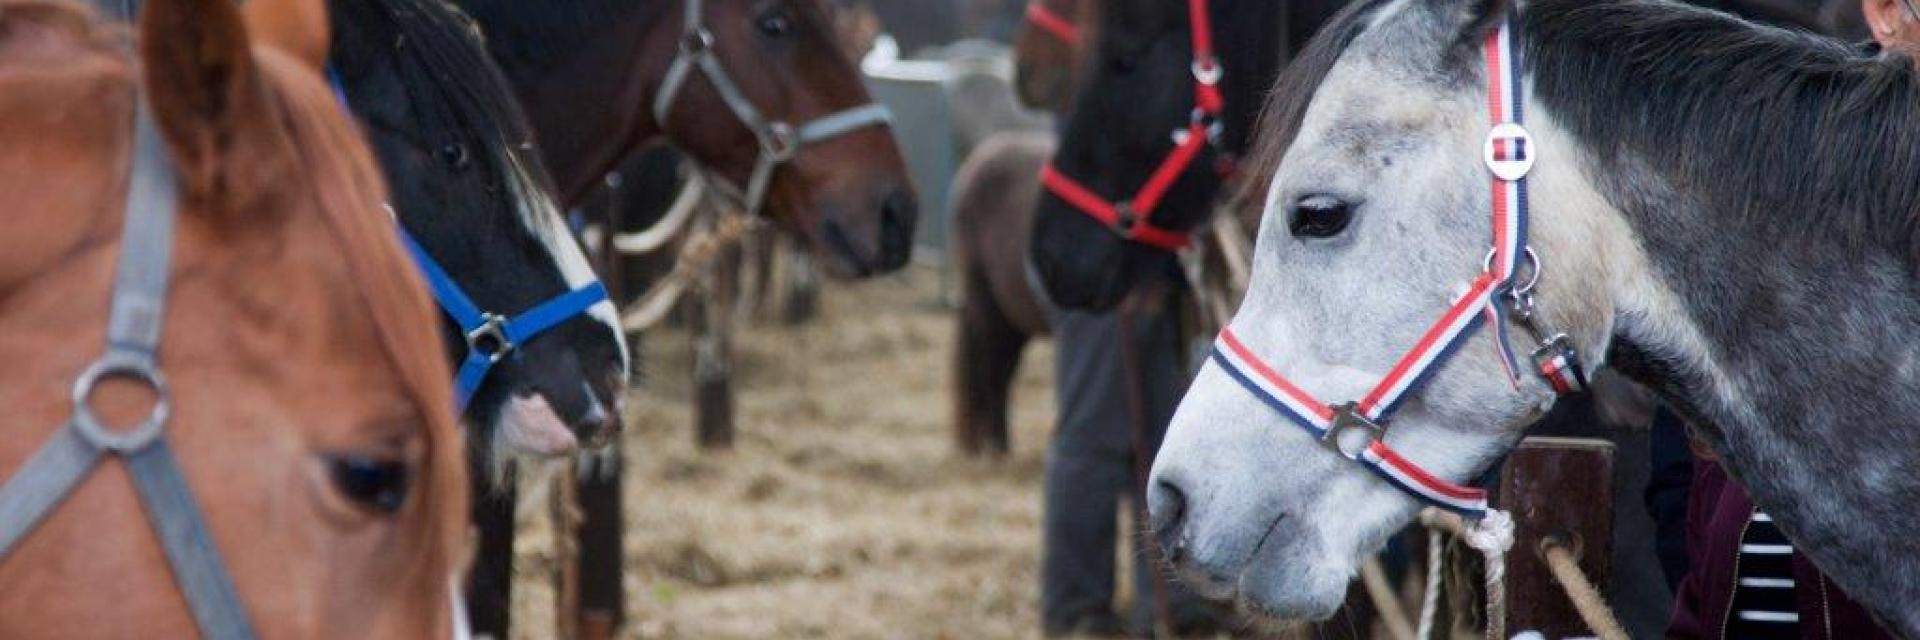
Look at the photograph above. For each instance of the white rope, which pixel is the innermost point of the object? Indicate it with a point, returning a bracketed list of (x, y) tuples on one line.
[(1430, 600), (668, 227), (1492, 536)]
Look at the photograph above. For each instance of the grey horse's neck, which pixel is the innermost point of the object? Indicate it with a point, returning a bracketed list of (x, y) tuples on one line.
[(1805, 378)]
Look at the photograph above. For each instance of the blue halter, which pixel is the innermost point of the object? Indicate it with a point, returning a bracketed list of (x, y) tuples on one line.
[(490, 336)]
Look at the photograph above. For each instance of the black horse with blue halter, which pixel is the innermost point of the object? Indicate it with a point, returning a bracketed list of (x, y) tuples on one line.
[(490, 335), (1511, 271)]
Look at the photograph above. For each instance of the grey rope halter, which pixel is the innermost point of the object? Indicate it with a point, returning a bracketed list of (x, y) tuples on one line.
[(133, 340), (779, 141)]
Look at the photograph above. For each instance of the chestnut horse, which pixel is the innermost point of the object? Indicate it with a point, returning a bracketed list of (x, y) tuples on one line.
[(299, 469)]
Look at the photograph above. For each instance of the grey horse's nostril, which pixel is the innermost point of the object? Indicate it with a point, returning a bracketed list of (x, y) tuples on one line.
[(1166, 511)]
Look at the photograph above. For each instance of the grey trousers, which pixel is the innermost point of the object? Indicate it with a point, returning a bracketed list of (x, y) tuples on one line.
[(1091, 466)]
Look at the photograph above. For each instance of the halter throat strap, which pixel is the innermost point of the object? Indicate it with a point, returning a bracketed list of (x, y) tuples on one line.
[(77, 448), (1132, 219), (1502, 294), (780, 141)]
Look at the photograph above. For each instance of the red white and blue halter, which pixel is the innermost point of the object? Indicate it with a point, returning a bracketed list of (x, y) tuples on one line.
[(1509, 155)]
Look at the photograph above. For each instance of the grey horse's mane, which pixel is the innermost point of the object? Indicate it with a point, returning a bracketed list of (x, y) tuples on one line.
[(1804, 134)]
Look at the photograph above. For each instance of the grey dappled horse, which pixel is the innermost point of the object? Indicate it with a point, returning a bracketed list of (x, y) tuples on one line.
[(1722, 211)]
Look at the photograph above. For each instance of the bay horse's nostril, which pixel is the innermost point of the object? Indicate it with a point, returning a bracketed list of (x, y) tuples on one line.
[(898, 215), (1166, 512)]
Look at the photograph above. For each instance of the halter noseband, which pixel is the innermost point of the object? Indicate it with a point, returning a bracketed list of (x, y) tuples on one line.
[(1133, 219), (490, 336), (1052, 23), (780, 142), (1509, 156), (133, 340)]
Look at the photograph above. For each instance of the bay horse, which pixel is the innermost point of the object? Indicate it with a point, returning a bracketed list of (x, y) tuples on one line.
[(289, 435), (751, 91), (1667, 153), (471, 195), (1051, 50)]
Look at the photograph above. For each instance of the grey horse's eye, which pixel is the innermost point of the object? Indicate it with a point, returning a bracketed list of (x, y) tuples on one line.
[(775, 23), (1319, 217), (378, 485)]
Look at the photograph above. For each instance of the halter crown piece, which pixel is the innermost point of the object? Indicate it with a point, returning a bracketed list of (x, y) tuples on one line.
[(780, 142), (490, 336), (1497, 294), (1133, 219)]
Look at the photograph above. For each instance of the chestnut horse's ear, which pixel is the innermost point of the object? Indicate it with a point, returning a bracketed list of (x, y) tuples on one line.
[(298, 27), (210, 101)]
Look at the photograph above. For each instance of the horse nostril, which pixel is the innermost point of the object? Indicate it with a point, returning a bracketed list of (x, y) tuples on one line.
[(597, 424), (1166, 509), (898, 214)]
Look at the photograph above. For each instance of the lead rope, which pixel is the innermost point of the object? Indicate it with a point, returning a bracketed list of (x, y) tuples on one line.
[(1492, 536)]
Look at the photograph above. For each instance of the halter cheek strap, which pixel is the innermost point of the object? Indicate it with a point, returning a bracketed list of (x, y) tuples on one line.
[(133, 341), (1357, 430), (1132, 219), (780, 142)]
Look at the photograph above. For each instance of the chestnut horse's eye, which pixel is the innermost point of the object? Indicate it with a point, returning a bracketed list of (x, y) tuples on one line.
[(379, 485), (775, 23), (1319, 217)]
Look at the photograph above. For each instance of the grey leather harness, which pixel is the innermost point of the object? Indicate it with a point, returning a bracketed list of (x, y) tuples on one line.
[(779, 141), (133, 338)]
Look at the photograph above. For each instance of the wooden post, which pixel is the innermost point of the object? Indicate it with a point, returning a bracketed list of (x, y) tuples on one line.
[(713, 352), (1561, 488)]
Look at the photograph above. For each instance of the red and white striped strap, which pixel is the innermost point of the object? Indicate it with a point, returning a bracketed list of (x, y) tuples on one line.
[(1509, 155)]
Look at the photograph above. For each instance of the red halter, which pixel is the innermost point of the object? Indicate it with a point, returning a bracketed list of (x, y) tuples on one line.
[(1044, 18), (1133, 219)]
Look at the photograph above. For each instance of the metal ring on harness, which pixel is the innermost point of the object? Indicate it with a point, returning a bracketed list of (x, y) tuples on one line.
[(1207, 71), (696, 42), (126, 366), (490, 337)]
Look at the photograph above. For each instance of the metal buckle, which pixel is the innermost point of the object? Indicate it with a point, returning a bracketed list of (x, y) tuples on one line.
[(696, 42), (121, 364), (1346, 417), (1557, 344), (1124, 219), (1207, 71), (490, 337), (780, 142)]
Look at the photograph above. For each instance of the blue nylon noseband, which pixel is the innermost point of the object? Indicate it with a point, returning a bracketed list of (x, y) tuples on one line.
[(490, 336)]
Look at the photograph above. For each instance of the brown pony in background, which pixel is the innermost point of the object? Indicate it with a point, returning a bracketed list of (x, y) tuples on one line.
[(995, 193), (298, 342)]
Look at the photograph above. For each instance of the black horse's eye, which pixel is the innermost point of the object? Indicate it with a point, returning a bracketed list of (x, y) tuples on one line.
[(455, 156), (1123, 64), (380, 485), (775, 23), (1319, 217)]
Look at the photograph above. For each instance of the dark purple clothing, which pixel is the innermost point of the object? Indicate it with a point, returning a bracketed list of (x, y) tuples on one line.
[(1718, 511)]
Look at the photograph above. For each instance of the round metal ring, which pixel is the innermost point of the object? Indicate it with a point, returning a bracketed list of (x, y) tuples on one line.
[(781, 142), (1532, 270), (121, 365)]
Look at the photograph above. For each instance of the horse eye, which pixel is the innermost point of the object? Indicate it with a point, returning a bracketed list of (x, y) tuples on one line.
[(775, 23), (1319, 217), (455, 155), (380, 485), (1124, 64)]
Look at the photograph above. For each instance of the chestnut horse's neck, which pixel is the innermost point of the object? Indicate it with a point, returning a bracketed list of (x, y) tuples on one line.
[(586, 72)]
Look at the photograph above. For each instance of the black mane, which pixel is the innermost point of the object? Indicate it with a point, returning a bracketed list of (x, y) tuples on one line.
[(1792, 132)]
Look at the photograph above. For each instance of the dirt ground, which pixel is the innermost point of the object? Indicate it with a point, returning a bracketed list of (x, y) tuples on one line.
[(843, 511)]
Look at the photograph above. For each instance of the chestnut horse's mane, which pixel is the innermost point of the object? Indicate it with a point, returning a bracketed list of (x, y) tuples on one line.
[(348, 183), (328, 153)]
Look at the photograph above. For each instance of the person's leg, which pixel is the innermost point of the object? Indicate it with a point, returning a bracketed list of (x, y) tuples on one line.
[(1088, 468)]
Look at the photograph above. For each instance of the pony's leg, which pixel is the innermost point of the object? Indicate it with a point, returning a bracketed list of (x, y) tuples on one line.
[(985, 359), (490, 584), (598, 534)]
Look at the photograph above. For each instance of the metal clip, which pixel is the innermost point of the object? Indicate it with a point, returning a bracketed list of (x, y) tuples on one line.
[(780, 142), (1207, 71), (1346, 418), (490, 337)]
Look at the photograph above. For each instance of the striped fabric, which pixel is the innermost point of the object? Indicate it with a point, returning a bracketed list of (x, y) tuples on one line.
[(1763, 598)]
